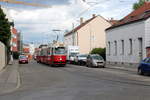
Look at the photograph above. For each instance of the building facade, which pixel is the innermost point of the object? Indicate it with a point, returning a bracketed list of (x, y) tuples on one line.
[(14, 40), (128, 41), (28, 50), (88, 35), (32, 48)]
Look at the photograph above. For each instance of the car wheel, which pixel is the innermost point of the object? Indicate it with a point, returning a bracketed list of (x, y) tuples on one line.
[(63, 65), (91, 65), (52, 65), (80, 63), (140, 72), (87, 65)]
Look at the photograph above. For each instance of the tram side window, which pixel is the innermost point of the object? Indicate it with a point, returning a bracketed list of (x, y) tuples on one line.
[(50, 51)]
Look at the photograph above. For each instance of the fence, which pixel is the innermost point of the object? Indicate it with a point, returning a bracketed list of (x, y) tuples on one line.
[(3, 56)]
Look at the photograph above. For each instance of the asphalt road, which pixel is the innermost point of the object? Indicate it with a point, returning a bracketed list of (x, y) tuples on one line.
[(42, 82)]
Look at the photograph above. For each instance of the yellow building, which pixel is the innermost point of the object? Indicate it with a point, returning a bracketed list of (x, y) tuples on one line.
[(89, 34)]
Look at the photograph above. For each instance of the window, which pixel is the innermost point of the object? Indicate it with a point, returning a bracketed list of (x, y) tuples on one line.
[(14, 36), (122, 44), (97, 57), (146, 60), (109, 48), (14, 44), (115, 47), (131, 46)]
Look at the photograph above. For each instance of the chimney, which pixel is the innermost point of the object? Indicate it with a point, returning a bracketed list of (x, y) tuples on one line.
[(81, 20), (93, 15)]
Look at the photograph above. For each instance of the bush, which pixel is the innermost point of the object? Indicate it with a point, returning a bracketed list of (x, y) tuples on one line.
[(100, 51), (5, 32), (15, 55)]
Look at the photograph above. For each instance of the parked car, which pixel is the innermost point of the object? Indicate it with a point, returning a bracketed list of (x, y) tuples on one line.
[(95, 60), (144, 66), (72, 58), (80, 59), (23, 59)]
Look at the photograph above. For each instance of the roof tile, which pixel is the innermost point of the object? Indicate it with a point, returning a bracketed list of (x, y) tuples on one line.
[(80, 26), (141, 13)]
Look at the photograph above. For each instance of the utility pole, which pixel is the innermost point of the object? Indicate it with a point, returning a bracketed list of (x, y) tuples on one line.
[(57, 36), (20, 42), (73, 36)]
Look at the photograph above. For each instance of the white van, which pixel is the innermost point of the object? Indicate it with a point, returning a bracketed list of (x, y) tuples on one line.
[(72, 51)]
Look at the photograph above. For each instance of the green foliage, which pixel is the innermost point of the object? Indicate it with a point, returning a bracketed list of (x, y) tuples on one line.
[(139, 4), (100, 51), (5, 32), (15, 55)]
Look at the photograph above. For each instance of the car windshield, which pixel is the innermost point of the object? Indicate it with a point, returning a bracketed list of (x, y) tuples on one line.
[(73, 54), (82, 55), (60, 50), (97, 57), (22, 57), (147, 60)]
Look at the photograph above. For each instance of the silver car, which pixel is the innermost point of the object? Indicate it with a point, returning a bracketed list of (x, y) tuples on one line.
[(80, 59), (95, 60)]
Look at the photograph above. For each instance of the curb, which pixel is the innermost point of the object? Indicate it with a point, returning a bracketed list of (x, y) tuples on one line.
[(18, 81), (122, 68)]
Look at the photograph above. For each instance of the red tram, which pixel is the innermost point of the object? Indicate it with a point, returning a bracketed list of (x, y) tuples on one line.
[(53, 54)]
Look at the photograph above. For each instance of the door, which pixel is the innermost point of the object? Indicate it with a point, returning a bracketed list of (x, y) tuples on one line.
[(140, 49)]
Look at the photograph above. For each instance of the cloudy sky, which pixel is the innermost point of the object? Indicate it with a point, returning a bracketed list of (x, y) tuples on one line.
[(37, 23)]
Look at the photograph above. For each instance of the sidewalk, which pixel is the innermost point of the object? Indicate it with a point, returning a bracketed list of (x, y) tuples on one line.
[(9, 78), (125, 68)]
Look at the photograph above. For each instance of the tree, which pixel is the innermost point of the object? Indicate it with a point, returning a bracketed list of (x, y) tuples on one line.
[(139, 4), (100, 51), (5, 32)]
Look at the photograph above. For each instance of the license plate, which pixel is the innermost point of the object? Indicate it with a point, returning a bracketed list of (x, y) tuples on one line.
[(99, 64)]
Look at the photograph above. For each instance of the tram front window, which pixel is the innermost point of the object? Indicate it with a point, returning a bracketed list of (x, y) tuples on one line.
[(60, 50)]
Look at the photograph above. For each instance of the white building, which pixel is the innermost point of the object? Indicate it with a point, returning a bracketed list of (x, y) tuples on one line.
[(32, 48), (128, 41)]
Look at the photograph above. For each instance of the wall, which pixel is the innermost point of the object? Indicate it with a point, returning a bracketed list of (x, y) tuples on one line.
[(147, 32), (130, 31), (14, 40), (2, 56), (69, 40), (92, 35)]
